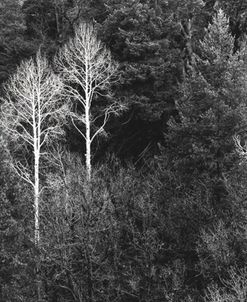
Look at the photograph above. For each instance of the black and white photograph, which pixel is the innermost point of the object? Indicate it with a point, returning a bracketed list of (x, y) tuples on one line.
[(123, 150)]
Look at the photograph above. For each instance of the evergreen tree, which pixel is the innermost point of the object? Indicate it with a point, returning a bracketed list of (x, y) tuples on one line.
[(212, 106), (13, 46), (237, 12), (141, 35)]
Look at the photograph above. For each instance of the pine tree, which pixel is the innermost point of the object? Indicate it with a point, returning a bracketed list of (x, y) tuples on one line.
[(141, 35), (12, 44), (237, 12), (212, 106)]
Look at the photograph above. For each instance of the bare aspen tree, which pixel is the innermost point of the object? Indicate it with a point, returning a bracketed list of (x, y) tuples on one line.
[(31, 117), (87, 68)]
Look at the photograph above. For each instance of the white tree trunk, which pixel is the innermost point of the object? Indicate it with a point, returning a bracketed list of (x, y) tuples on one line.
[(88, 144), (87, 120), (36, 199), (36, 145), (31, 99), (36, 151), (85, 61)]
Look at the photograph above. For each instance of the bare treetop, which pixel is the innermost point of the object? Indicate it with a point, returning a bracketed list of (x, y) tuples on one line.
[(31, 102), (86, 61), (87, 69)]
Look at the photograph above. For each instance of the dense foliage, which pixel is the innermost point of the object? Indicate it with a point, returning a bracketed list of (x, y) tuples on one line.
[(163, 217)]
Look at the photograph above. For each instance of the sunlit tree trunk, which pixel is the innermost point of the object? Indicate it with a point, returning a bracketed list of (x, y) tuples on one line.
[(86, 64), (32, 116)]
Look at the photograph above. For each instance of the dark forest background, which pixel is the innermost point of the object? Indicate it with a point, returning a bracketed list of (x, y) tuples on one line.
[(168, 221)]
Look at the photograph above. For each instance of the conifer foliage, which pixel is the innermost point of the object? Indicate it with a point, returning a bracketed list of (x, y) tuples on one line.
[(212, 106)]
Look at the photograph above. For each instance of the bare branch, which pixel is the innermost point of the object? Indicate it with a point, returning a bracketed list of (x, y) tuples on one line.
[(22, 171), (87, 69), (82, 134), (242, 150), (32, 114)]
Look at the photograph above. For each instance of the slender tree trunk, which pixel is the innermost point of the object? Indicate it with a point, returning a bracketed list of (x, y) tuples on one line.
[(37, 222), (88, 143), (36, 200), (89, 169), (36, 151), (87, 118)]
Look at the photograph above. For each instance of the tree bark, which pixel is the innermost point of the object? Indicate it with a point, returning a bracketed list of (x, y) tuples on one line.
[(88, 144), (87, 120), (36, 203)]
